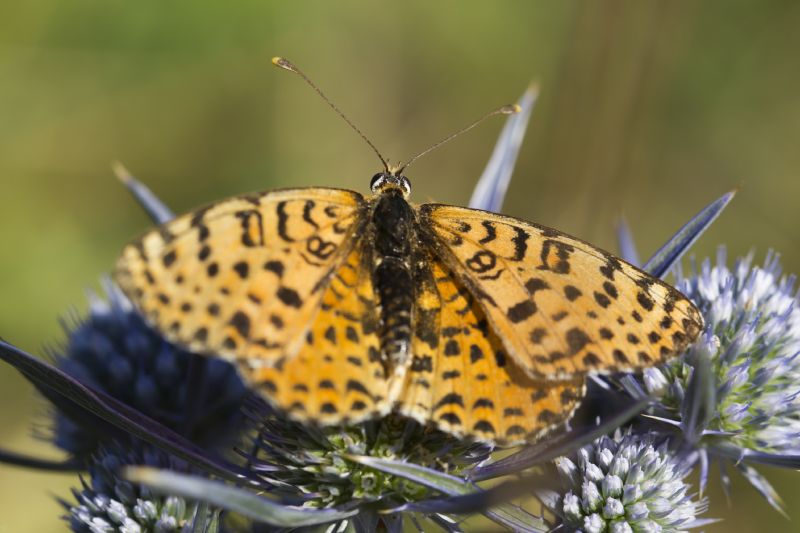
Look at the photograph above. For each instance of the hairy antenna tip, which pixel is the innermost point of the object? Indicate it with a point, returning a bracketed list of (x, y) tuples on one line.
[(510, 109), (283, 63)]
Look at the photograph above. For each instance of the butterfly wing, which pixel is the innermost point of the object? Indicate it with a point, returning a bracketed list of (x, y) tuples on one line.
[(336, 376), (460, 377), (243, 279), (561, 307)]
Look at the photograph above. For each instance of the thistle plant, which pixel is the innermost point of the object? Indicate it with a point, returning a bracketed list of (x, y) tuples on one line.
[(625, 483), (319, 464), (171, 441), (106, 502), (735, 394), (114, 351)]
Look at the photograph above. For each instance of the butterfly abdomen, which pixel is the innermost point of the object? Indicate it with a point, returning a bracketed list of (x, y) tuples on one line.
[(393, 232)]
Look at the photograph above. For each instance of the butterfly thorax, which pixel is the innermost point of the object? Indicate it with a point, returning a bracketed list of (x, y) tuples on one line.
[(392, 230)]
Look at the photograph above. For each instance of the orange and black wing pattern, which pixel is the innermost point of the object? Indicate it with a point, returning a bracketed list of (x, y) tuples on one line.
[(461, 377), (243, 278), (561, 307), (336, 377)]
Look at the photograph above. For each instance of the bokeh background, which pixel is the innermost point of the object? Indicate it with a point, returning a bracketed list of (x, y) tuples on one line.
[(651, 109)]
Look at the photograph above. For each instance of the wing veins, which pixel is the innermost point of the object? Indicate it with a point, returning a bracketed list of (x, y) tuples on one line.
[(349, 244), (451, 260)]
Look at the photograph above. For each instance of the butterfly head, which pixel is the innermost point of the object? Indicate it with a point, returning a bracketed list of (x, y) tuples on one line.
[(383, 182)]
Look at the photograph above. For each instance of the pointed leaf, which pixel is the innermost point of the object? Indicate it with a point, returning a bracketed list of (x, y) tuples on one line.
[(517, 519), (205, 519), (365, 522), (427, 477), (703, 458), (53, 380), (699, 404), (626, 244), (764, 488), (632, 386), (737, 454), (237, 499), (154, 207), (700, 522), (491, 189), (443, 521), (508, 515), (393, 523), (669, 254), (511, 516)]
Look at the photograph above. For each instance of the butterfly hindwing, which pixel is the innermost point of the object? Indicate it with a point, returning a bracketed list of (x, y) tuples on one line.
[(242, 278), (562, 307), (336, 377), (460, 377)]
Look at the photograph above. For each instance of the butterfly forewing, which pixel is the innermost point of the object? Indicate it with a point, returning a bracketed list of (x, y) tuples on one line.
[(461, 378), (336, 376), (561, 307), (243, 278)]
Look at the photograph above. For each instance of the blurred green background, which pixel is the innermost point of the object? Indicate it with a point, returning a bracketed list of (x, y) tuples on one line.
[(648, 108)]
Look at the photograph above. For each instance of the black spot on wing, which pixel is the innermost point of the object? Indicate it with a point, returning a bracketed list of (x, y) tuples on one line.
[(289, 297), (484, 426), (577, 339), (275, 267), (242, 269), (521, 311), (241, 322), (520, 241), (475, 353), (283, 218), (307, 208), (169, 258), (645, 301), (452, 398), (452, 348), (491, 232), (601, 299), (572, 293), (451, 418)]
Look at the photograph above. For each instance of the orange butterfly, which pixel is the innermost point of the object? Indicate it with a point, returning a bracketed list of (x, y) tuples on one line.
[(340, 308)]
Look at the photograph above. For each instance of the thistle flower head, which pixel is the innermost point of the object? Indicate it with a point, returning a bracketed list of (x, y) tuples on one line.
[(627, 483), (106, 502), (752, 342), (323, 468), (114, 351)]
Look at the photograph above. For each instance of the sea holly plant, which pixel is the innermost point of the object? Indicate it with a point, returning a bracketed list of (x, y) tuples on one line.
[(166, 440), (733, 398)]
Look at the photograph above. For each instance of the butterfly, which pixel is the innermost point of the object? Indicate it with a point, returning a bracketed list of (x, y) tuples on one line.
[(341, 309)]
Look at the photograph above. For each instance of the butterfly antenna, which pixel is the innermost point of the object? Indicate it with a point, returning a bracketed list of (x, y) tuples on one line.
[(508, 109), (291, 67)]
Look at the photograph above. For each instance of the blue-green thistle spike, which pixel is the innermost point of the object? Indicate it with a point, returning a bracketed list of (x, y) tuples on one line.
[(670, 253), (491, 188), (153, 206)]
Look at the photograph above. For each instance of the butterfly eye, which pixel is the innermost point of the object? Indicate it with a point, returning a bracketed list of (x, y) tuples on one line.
[(406, 185), (376, 181)]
